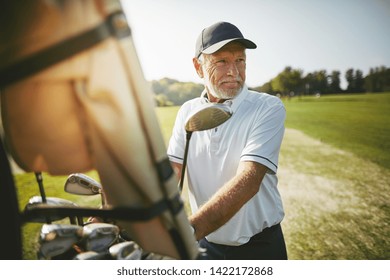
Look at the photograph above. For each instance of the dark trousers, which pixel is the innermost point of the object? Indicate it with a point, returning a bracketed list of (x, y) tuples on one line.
[(266, 245)]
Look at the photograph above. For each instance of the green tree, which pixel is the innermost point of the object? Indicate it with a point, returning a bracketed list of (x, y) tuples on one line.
[(359, 81), (334, 85), (172, 92), (162, 100), (378, 80), (355, 80), (267, 87), (288, 81), (316, 82), (350, 80)]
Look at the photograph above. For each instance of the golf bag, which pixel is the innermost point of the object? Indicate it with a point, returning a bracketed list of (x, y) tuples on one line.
[(74, 99)]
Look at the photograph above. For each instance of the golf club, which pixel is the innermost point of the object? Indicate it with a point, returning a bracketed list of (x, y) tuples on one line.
[(56, 239), (52, 201), (91, 255), (99, 237), (128, 250), (206, 116), (82, 184), (153, 256), (39, 178)]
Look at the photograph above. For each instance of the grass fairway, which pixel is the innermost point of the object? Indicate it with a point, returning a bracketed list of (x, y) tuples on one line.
[(356, 123), (336, 203), (335, 184)]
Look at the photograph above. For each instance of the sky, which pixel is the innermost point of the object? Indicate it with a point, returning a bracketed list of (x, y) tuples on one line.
[(304, 34)]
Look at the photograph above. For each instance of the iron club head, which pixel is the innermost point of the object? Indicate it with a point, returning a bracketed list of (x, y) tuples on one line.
[(56, 239), (91, 255), (52, 201), (99, 237), (127, 250), (82, 184)]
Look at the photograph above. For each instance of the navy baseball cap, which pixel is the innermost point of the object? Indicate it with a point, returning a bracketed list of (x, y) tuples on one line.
[(217, 35)]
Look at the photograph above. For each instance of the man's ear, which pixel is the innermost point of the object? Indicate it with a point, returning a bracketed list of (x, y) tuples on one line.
[(198, 67)]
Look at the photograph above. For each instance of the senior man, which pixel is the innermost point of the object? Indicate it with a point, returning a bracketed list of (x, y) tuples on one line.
[(236, 206)]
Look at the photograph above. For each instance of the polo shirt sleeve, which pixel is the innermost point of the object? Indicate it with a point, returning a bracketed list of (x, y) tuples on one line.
[(176, 143), (265, 137)]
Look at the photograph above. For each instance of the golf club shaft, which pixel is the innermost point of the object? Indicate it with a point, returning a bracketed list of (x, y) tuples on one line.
[(183, 169), (39, 178)]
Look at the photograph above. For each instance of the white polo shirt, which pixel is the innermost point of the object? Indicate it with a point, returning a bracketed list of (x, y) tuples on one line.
[(253, 133)]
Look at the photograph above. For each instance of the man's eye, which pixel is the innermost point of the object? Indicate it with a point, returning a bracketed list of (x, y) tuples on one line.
[(221, 62)]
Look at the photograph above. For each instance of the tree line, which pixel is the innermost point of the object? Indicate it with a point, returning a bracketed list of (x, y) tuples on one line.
[(293, 81), (170, 92)]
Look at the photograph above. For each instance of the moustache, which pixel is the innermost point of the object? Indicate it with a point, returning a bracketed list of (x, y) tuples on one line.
[(231, 81)]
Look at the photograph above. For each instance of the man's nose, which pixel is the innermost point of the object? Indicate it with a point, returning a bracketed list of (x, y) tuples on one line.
[(232, 69)]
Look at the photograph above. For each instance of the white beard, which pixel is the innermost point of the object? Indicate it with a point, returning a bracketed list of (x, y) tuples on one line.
[(219, 93)]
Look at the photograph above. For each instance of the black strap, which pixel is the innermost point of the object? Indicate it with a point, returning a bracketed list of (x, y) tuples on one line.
[(114, 25), (164, 169), (35, 212)]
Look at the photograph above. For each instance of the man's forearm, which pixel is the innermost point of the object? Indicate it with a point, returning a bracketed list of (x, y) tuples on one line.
[(228, 200), (177, 168)]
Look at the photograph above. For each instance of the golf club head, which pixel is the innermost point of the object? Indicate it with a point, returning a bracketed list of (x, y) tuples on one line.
[(91, 255), (208, 116), (128, 250), (52, 201), (153, 256), (82, 184), (56, 239), (99, 237)]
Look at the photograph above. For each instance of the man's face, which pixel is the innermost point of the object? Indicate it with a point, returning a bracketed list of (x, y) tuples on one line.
[(224, 71)]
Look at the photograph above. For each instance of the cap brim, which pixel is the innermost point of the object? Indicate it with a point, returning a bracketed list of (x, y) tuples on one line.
[(212, 49)]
